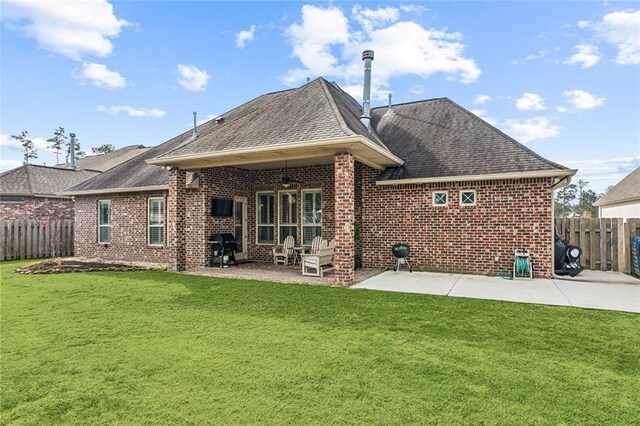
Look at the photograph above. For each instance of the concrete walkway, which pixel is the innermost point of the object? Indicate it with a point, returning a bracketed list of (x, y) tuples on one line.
[(615, 291)]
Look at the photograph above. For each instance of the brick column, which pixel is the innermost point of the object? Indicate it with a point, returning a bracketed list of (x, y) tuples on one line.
[(175, 220), (344, 217)]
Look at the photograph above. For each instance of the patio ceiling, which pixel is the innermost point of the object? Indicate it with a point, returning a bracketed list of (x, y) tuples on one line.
[(297, 154)]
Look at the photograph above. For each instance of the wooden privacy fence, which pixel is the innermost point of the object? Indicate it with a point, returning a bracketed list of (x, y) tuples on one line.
[(30, 239), (605, 242)]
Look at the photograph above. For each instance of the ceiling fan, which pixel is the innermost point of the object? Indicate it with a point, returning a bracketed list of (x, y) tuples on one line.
[(288, 180)]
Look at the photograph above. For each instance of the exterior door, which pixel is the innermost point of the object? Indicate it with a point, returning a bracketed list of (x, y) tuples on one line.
[(240, 226)]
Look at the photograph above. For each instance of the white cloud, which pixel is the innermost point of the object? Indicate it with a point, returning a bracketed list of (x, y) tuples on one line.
[(192, 78), (611, 170), (326, 46), (482, 113), (417, 89), (481, 99), (532, 129), (541, 54), (579, 99), (39, 143), (9, 164), (375, 18), (529, 102), (244, 36), (586, 55), (562, 109), (131, 111), (101, 76), (71, 28), (582, 24), (622, 29)]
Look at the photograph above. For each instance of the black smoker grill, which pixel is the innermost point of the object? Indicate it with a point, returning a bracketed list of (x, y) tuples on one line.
[(223, 249)]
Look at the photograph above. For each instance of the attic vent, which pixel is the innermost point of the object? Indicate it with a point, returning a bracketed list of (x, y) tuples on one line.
[(193, 179)]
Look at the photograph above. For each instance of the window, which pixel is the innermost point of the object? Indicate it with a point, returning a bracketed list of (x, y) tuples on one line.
[(287, 220), (155, 217), (440, 198), (468, 198), (264, 217), (311, 215), (104, 221)]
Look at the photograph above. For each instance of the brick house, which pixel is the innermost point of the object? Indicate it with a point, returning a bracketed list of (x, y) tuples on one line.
[(310, 161), (33, 191)]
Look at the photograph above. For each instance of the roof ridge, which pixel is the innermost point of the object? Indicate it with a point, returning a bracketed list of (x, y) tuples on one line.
[(475, 117), (213, 129), (29, 184), (411, 102), (334, 108)]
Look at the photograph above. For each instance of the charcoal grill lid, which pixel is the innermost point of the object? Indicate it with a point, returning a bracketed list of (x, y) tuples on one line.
[(400, 250)]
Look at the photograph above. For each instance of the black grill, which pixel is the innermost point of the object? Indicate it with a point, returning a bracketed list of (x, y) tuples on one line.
[(223, 249)]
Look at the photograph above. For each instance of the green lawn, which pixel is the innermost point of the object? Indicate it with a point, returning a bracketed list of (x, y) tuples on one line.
[(157, 347)]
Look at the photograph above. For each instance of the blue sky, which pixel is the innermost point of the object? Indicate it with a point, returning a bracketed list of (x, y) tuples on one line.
[(561, 77)]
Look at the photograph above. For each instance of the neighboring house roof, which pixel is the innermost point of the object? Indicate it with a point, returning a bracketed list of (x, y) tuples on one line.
[(628, 189), (439, 138), (104, 162), (41, 181)]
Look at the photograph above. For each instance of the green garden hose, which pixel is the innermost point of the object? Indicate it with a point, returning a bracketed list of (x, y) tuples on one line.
[(522, 267)]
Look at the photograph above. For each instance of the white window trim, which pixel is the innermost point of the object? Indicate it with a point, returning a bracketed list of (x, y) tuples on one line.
[(258, 225), (433, 198), (100, 226), (163, 226), (475, 198), (302, 225), (294, 215)]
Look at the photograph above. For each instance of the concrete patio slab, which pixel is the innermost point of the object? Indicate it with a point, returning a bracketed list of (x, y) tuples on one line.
[(615, 292), (411, 282), (495, 288), (619, 297)]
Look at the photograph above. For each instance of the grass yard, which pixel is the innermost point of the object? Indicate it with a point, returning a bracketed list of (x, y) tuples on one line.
[(157, 347)]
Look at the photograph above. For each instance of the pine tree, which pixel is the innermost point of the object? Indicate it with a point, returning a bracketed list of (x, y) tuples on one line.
[(59, 138), (28, 149), (103, 149)]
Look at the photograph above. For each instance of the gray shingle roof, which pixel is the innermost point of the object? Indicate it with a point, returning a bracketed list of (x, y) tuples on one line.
[(34, 180), (135, 172), (108, 161), (438, 138), (626, 190), (317, 110)]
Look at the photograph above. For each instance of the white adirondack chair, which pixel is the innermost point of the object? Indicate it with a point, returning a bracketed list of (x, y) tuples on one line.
[(315, 245), (286, 251), (317, 264)]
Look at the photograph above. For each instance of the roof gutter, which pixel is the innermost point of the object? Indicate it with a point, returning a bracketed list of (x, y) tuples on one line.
[(116, 190), (357, 144), (468, 178)]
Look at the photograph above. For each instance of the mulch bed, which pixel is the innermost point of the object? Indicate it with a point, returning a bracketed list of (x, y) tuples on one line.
[(65, 266)]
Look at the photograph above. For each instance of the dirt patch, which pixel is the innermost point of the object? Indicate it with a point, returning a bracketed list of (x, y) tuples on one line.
[(66, 266)]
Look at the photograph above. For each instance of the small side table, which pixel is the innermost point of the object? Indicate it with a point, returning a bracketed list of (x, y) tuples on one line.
[(297, 251)]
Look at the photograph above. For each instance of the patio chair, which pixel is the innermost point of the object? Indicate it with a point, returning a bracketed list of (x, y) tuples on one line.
[(316, 265), (315, 245), (286, 251)]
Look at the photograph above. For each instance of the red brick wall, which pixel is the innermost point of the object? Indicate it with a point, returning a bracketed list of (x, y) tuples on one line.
[(128, 228), (38, 208), (509, 214)]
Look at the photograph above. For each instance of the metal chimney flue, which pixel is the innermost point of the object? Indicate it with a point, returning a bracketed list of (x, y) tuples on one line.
[(72, 151), (367, 57), (195, 126)]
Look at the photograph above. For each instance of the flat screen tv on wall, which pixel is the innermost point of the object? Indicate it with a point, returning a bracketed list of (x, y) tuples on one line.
[(221, 207)]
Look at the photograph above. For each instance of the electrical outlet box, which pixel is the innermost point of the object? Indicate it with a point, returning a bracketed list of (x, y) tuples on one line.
[(497, 259)]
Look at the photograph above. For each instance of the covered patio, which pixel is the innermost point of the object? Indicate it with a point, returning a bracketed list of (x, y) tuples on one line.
[(266, 271)]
